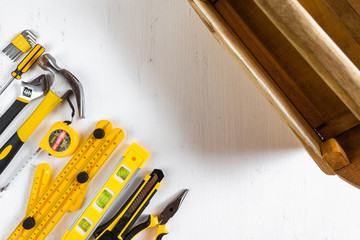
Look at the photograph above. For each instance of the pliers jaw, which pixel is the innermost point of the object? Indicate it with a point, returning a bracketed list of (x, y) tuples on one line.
[(172, 208)]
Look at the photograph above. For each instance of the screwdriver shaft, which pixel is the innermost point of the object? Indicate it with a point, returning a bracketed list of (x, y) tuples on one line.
[(6, 85)]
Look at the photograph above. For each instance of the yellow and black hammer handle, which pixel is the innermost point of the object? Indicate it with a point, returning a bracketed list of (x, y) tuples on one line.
[(13, 145)]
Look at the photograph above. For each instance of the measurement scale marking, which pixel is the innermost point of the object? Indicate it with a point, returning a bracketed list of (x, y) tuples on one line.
[(69, 192), (75, 189), (60, 196)]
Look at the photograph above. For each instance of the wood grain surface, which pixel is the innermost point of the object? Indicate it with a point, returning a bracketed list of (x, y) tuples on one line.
[(153, 69), (335, 68)]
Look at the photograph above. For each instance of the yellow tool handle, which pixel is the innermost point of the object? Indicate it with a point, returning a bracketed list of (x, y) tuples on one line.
[(28, 61), (161, 232), (50, 101)]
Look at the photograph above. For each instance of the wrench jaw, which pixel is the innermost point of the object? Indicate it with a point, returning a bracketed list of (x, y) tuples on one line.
[(37, 88), (64, 83)]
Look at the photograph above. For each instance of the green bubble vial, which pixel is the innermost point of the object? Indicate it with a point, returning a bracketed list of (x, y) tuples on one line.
[(123, 173), (104, 199), (84, 225)]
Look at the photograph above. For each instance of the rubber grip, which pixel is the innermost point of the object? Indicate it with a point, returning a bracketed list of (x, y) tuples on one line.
[(9, 150), (139, 228), (108, 236), (10, 114)]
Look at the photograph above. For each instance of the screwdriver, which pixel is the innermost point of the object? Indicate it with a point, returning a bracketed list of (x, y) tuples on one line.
[(24, 65)]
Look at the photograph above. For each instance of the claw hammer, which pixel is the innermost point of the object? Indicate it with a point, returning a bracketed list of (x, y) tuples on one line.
[(65, 83)]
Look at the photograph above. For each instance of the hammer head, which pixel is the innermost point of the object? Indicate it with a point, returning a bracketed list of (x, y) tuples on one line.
[(65, 83), (37, 88)]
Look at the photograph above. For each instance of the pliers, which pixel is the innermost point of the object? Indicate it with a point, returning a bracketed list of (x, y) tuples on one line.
[(159, 221)]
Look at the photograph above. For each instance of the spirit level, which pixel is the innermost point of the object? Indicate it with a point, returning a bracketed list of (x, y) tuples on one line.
[(66, 192), (119, 226), (131, 162)]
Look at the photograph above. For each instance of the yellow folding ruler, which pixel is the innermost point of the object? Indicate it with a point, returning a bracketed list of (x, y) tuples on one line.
[(131, 162), (41, 182), (66, 192)]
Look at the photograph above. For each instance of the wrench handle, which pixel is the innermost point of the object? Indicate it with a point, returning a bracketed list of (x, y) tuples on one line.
[(11, 113)]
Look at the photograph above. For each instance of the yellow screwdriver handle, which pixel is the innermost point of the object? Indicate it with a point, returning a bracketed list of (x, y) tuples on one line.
[(28, 61)]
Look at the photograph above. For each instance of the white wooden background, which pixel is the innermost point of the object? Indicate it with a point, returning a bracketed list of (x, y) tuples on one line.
[(153, 69)]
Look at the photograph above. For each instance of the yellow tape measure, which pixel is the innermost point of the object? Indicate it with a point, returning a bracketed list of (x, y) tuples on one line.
[(60, 141), (131, 162), (68, 188)]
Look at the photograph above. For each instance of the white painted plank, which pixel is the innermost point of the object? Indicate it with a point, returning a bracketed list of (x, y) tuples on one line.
[(153, 69)]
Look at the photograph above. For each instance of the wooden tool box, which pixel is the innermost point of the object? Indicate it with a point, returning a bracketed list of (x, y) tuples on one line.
[(304, 57)]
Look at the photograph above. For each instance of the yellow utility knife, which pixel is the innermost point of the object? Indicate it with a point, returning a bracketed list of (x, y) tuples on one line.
[(119, 226)]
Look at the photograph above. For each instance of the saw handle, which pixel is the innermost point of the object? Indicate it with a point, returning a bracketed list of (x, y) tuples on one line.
[(9, 150), (13, 145), (11, 113)]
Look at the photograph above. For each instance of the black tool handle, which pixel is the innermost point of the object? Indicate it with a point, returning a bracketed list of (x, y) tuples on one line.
[(9, 150), (143, 226), (10, 114), (161, 236), (139, 228)]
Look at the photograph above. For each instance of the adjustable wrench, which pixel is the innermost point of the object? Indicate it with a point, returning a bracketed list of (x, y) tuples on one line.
[(29, 91)]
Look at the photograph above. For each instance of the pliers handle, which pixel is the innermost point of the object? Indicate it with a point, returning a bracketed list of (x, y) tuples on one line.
[(152, 221)]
